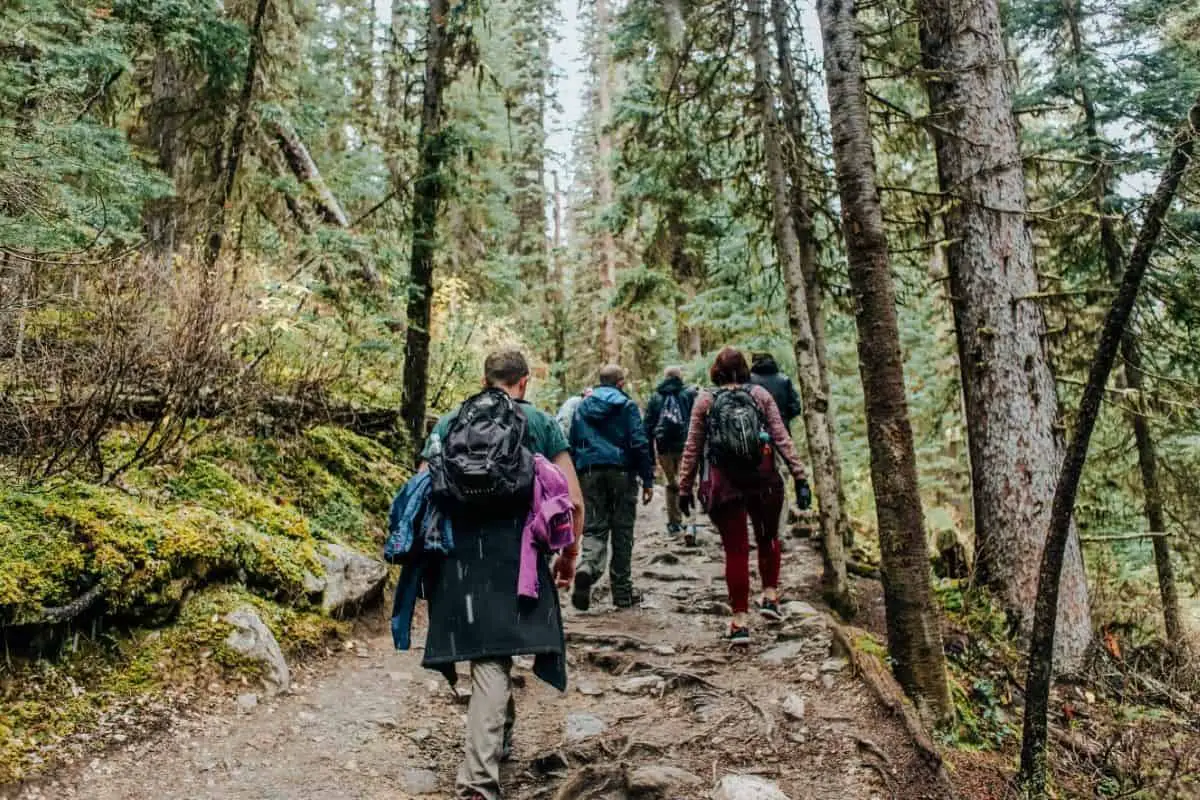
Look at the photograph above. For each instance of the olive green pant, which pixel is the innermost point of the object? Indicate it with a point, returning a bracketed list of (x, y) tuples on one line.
[(610, 497), (670, 467)]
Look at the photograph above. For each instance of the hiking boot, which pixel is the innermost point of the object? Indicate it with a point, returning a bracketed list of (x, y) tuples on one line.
[(581, 595), (770, 610), (635, 600), (674, 528), (689, 536), (738, 636)]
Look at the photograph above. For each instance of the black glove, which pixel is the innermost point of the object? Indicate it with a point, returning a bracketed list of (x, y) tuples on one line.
[(686, 503), (803, 494)]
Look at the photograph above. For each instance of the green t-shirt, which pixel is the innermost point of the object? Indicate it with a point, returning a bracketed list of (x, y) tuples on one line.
[(542, 433)]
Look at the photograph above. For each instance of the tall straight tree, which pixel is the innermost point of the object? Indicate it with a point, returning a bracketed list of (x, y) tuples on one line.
[(604, 181), (914, 629), (1032, 778), (1101, 155), (1009, 391), (427, 197), (797, 159), (787, 246)]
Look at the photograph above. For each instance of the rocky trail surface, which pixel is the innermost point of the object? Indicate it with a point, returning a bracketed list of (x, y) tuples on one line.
[(658, 707)]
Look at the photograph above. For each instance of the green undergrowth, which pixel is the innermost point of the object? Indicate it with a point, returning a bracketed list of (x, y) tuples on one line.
[(234, 520)]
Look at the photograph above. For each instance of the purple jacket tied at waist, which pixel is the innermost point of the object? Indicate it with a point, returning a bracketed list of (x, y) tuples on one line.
[(548, 527)]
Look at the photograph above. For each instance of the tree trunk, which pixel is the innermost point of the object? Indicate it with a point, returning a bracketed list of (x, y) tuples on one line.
[(1012, 407), (557, 301), (427, 196), (305, 169), (816, 403), (914, 627), (1040, 675), (237, 139), (802, 219), (608, 244), (1114, 258)]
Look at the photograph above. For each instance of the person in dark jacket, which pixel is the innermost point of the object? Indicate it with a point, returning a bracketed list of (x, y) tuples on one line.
[(475, 612), (667, 434), (765, 373), (610, 451)]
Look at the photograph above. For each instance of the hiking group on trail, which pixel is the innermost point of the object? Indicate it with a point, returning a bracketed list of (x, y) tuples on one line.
[(507, 497)]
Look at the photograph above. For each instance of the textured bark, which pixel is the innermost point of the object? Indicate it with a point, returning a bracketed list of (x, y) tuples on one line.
[(1011, 403), (237, 139), (427, 198), (1032, 776), (165, 122), (305, 169), (914, 627), (604, 147), (816, 403), (797, 160), (1114, 259)]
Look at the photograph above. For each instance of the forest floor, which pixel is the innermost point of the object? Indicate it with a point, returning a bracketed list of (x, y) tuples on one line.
[(649, 688)]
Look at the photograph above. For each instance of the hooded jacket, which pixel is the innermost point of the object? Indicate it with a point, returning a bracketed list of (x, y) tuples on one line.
[(765, 373), (607, 431), (687, 398)]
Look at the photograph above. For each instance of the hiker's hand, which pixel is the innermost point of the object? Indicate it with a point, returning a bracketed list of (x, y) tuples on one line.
[(803, 494), (564, 568), (647, 495), (686, 503)]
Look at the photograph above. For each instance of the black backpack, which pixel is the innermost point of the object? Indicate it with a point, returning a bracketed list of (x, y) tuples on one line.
[(483, 460), (734, 431), (671, 429)]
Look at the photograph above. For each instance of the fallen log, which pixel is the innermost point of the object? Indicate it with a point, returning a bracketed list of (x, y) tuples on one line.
[(301, 163)]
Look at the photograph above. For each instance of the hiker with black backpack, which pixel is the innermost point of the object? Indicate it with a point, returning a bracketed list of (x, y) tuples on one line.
[(499, 495), (735, 432), (765, 372), (667, 416), (611, 452)]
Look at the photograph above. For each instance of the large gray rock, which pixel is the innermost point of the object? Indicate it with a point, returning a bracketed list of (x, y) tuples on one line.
[(253, 639), (351, 579), (783, 653), (747, 787)]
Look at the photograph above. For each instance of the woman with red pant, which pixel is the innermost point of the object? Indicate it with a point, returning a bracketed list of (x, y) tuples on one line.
[(735, 431)]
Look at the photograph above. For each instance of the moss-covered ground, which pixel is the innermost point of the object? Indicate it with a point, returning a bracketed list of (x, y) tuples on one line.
[(234, 520)]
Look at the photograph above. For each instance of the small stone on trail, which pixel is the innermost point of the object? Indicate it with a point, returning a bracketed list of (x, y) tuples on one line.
[(793, 706), (665, 558), (833, 665), (783, 653), (670, 574), (419, 781), (582, 726), (827, 680), (420, 735), (798, 608), (658, 779), (663, 650), (589, 690), (747, 787), (640, 684), (247, 702)]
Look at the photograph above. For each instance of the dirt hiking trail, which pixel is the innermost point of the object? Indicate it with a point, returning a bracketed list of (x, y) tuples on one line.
[(657, 706)]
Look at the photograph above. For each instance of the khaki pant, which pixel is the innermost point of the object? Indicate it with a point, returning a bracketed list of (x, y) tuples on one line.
[(490, 718), (670, 467)]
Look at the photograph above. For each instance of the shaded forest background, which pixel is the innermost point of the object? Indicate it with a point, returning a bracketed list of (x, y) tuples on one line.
[(208, 215)]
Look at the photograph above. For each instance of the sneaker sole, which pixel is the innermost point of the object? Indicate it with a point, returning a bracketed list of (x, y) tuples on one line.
[(581, 596), (772, 616)]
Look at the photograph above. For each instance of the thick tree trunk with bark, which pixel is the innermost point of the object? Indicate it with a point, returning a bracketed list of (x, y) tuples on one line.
[(1013, 423), (816, 403), (608, 244), (1114, 258), (427, 197), (796, 157), (237, 139), (914, 626), (1032, 777)]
